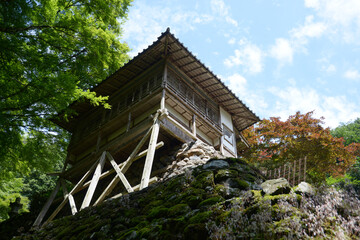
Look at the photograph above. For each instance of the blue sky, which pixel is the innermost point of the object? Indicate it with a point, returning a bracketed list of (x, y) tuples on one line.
[(278, 56)]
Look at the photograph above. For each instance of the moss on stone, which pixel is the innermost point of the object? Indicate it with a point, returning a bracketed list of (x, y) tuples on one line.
[(193, 200), (157, 212), (203, 180), (223, 174), (178, 209), (200, 217), (211, 201)]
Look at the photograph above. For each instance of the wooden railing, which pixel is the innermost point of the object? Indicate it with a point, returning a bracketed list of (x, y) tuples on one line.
[(294, 172)]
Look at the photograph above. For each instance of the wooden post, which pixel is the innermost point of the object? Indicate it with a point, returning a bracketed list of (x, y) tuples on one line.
[(71, 198), (305, 169), (125, 166), (165, 75), (47, 205), (77, 186), (94, 182), (194, 125), (289, 169), (162, 101), (150, 155), (119, 173)]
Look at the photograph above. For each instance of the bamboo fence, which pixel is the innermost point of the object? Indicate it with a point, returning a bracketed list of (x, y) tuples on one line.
[(294, 172)]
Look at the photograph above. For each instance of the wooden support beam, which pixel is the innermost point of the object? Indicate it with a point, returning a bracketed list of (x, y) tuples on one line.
[(119, 173), (187, 64), (205, 80), (47, 205), (211, 85), (115, 180), (198, 75), (78, 185), (191, 70), (150, 155), (194, 125), (187, 132), (181, 58), (71, 198), (129, 160), (94, 182), (125, 166), (162, 101), (107, 173)]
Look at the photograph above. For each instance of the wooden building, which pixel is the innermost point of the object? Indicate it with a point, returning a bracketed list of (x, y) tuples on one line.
[(163, 97)]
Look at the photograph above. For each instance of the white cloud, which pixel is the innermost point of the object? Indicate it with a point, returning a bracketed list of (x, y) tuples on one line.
[(310, 29), (312, 3), (352, 74), (329, 69), (282, 51), (238, 84), (146, 22), (231, 41), (342, 17), (249, 56), (335, 109), (219, 7)]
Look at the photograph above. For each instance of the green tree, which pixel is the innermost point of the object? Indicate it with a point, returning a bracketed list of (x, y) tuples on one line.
[(275, 142), (351, 134), (52, 52)]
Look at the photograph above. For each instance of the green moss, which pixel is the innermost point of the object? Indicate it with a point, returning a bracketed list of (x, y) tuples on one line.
[(274, 199), (223, 216), (220, 189), (66, 231), (239, 183), (200, 217), (223, 174), (175, 184), (211, 201), (193, 200), (248, 177), (129, 234), (153, 204), (179, 209), (203, 180), (157, 212), (144, 232), (175, 224)]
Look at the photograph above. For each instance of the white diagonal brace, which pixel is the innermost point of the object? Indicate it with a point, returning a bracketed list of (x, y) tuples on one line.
[(94, 182), (116, 179), (119, 173), (76, 187), (69, 196), (150, 155)]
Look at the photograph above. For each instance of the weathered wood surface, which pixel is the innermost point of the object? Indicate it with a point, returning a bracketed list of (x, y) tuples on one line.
[(119, 173), (71, 197), (150, 155), (94, 182)]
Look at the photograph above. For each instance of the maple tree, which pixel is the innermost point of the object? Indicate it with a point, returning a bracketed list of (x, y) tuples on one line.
[(275, 142)]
